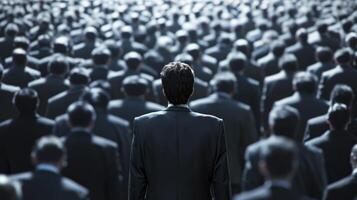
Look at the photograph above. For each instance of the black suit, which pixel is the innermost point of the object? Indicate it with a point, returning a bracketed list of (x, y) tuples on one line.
[(269, 64), (318, 68), (345, 189), (19, 76), (178, 154), (336, 146), (6, 47), (93, 162), (240, 129), (17, 138), (84, 50), (7, 109), (46, 185)]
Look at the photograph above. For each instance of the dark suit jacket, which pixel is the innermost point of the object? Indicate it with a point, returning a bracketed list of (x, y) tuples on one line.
[(342, 189), (83, 50), (7, 109), (178, 154), (336, 146), (17, 138), (218, 52), (45, 185), (6, 46), (309, 180), (47, 88), (43, 64), (269, 64), (239, 127), (93, 162), (20, 77), (305, 53), (319, 68)]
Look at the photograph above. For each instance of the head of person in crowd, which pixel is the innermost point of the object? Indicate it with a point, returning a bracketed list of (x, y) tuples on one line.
[(102, 84), (90, 34), (343, 57), (21, 42), (78, 77), (185, 58), (19, 58), (177, 80), (126, 32), (81, 115), (61, 45), (133, 60), (101, 56), (114, 48), (26, 102), (97, 97), (302, 36), (135, 86), (11, 30), (305, 83), (8, 190), (44, 41), (58, 66), (322, 28), (182, 37), (224, 82), (338, 117), (242, 45), (347, 25), (194, 50), (225, 41), (237, 63), (351, 41), (277, 48), (342, 94), (283, 121), (288, 63), (278, 159), (324, 54), (49, 150)]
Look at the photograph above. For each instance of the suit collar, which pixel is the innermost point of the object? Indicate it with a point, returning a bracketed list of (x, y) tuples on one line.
[(221, 95), (178, 108)]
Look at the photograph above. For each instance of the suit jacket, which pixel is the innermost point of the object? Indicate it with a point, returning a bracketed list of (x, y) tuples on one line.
[(309, 180), (94, 163), (83, 50), (47, 88), (45, 185), (59, 103), (239, 127), (218, 52), (319, 68), (6, 46), (17, 138), (305, 53), (336, 147), (308, 107), (178, 154), (342, 189), (269, 64), (44, 62), (20, 77), (7, 109)]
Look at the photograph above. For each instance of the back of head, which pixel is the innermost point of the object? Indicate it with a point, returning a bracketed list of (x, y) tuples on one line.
[(277, 48), (177, 80), (133, 60), (182, 36), (102, 84), (302, 35), (347, 25), (343, 56), (101, 56), (185, 58), (237, 62), (283, 121), (11, 30), (242, 45), (135, 86), (224, 82), (351, 40), (21, 42), (90, 33), (78, 76), (126, 32), (7, 189), (49, 150), (288, 63), (113, 47), (81, 115), (44, 41), (324, 54), (305, 83), (26, 101), (97, 97), (342, 94), (19, 57), (194, 50), (338, 116), (58, 66), (61, 45), (322, 27)]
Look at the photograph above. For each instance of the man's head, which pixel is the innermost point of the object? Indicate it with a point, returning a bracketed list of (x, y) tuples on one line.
[(101, 56), (78, 76), (277, 48), (237, 62), (22, 43), (342, 94), (133, 60), (49, 150), (58, 66), (135, 86), (194, 50), (343, 57), (242, 45), (324, 54), (61, 45), (278, 159), (90, 34), (177, 80), (81, 115), (26, 101), (302, 35), (283, 121), (19, 57), (305, 83), (224, 82), (114, 48), (97, 97), (288, 63), (338, 116)]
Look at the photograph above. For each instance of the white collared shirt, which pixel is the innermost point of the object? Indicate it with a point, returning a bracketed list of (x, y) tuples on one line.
[(48, 167), (280, 183)]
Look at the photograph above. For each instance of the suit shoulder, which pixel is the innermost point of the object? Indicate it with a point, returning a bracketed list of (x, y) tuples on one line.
[(69, 184), (37, 82), (154, 106), (21, 177), (103, 142), (118, 121), (255, 194), (340, 183), (57, 97), (46, 121)]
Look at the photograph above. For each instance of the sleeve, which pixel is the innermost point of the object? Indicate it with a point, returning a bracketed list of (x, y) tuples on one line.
[(249, 134), (221, 183), (137, 176)]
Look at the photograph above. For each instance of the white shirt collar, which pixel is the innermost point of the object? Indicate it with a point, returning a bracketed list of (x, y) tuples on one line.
[(180, 105), (279, 183), (48, 167)]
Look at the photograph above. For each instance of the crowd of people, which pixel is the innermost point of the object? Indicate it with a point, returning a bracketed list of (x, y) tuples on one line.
[(173, 100)]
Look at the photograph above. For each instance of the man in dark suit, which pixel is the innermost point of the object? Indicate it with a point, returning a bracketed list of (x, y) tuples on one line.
[(59, 103), (269, 64), (175, 150), (7, 42), (324, 57), (19, 74), (84, 50), (221, 49), (8, 189), (278, 162), (278, 86), (345, 188), (127, 42), (7, 110), (310, 178), (304, 100), (92, 160), (18, 135), (53, 84), (336, 143), (238, 119), (46, 182)]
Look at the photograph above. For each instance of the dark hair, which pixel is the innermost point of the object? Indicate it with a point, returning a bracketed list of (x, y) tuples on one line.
[(351, 40), (58, 65), (61, 45), (322, 27), (342, 94), (185, 58), (324, 54), (90, 33), (19, 57), (26, 101), (305, 82), (343, 56), (134, 85), (7, 189), (177, 80), (278, 48), (280, 156), (11, 30), (224, 82), (237, 62), (97, 97), (288, 63), (81, 114), (133, 60), (101, 55), (126, 32), (21, 42), (182, 36), (283, 121), (242, 45), (347, 25), (113, 47), (302, 35), (44, 40), (78, 76), (49, 149), (338, 116)]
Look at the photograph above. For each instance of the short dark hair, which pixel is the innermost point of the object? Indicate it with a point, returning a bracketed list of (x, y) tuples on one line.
[(243, 46), (305, 82), (133, 60), (58, 65), (343, 56), (277, 48), (61, 45), (21, 42), (97, 97), (322, 27), (338, 116), (194, 50), (177, 80), (134, 85), (185, 58), (342, 94), (113, 47), (237, 62), (288, 63), (90, 33), (101, 55), (78, 76), (280, 156), (11, 30), (26, 101), (49, 149), (81, 114), (19, 57), (283, 121), (302, 35), (224, 82), (324, 54)]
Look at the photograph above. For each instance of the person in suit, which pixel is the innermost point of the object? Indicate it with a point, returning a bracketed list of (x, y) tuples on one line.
[(324, 57), (278, 86), (304, 100), (278, 163), (92, 161), (344, 188), (8, 189), (46, 181), (19, 74), (134, 104), (336, 143), (52, 84), (18, 135), (43, 47), (202, 71), (310, 178), (98, 66), (238, 119), (59, 103), (84, 50), (7, 42), (175, 150), (127, 42), (7, 110), (269, 63), (221, 49)]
